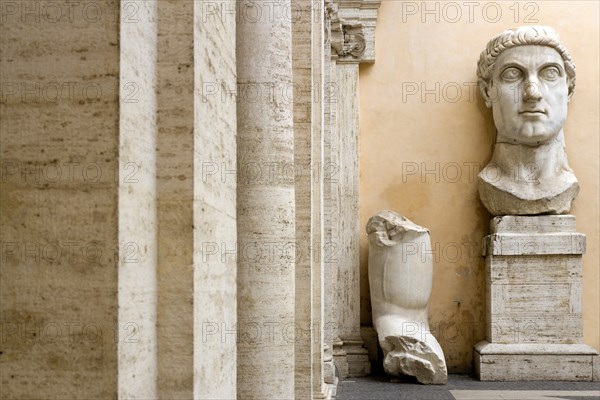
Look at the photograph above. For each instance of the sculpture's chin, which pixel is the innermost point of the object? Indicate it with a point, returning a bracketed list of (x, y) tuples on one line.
[(529, 138)]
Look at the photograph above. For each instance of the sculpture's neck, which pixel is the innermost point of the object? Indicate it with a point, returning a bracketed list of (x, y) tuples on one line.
[(531, 164)]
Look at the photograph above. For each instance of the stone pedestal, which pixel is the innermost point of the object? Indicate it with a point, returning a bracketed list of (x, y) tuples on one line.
[(534, 302), (351, 358), (357, 358)]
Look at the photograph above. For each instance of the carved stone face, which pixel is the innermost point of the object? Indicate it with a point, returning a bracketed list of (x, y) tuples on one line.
[(529, 95)]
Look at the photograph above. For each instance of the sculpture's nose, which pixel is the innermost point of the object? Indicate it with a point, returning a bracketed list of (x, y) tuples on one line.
[(532, 92)]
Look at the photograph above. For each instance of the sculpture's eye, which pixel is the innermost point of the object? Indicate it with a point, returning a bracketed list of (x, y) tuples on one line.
[(511, 74), (550, 73)]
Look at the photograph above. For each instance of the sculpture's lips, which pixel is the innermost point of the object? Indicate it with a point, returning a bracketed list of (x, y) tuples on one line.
[(532, 112)]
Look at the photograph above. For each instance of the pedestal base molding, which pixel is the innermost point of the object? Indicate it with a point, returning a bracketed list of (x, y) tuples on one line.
[(351, 358)]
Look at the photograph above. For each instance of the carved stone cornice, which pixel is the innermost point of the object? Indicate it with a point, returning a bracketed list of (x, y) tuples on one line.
[(354, 40), (352, 29), (347, 41)]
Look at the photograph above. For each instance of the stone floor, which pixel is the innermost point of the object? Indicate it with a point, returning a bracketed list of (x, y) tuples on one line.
[(463, 387)]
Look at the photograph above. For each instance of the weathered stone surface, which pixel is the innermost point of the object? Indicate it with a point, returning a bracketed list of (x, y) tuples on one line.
[(347, 214), (214, 205), (532, 362), (410, 356), (156, 126), (357, 358), (508, 198), (529, 172), (534, 302), (533, 235), (59, 144), (307, 58), (507, 244), (266, 210), (527, 224), (349, 41), (531, 328), (400, 280), (534, 277), (137, 294), (347, 188), (175, 195), (485, 348), (534, 280)]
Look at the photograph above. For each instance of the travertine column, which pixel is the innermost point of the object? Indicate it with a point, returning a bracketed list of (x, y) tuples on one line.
[(175, 190), (137, 205), (348, 271), (215, 233), (196, 149), (301, 103), (266, 210), (158, 141), (329, 179), (109, 291), (316, 16), (308, 157), (58, 271), (347, 129)]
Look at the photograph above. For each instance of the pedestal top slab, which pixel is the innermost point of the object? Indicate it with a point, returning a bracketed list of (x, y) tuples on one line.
[(533, 224), (485, 347), (533, 235), (518, 244)]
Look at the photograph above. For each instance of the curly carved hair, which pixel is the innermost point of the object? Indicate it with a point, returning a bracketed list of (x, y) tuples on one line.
[(522, 36)]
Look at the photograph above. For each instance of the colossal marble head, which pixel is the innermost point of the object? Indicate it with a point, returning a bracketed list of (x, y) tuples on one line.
[(527, 77)]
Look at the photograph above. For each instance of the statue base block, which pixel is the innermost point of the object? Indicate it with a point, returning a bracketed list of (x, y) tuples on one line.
[(351, 359), (534, 328), (535, 362), (357, 358)]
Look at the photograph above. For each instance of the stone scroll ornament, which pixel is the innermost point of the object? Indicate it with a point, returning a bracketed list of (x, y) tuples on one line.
[(527, 77), (400, 279)]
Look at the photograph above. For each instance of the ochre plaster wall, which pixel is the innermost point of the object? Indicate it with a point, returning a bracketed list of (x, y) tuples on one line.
[(423, 142)]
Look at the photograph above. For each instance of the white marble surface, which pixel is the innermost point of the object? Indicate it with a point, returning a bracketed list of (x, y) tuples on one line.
[(400, 278), (527, 78)]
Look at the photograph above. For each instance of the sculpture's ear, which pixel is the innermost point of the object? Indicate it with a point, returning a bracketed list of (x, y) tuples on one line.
[(484, 90)]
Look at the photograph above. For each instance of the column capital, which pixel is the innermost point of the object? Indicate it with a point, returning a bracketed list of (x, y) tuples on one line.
[(352, 29)]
